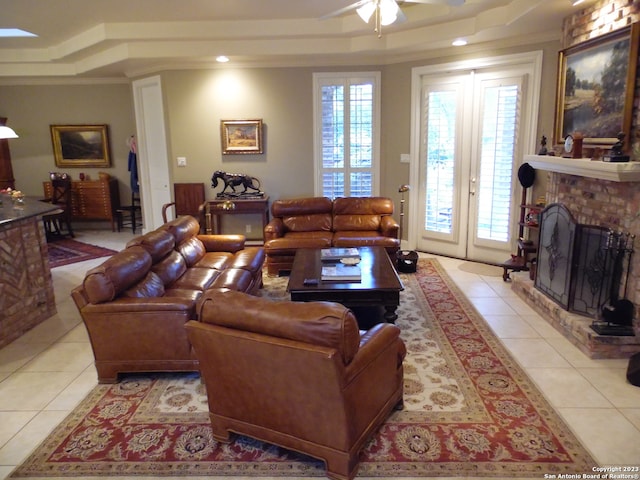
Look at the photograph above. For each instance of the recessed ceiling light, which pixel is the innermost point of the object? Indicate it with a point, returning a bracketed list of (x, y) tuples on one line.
[(459, 42), (222, 59), (15, 32)]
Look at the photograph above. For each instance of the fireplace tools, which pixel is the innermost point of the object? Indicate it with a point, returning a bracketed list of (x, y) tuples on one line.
[(616, 315)]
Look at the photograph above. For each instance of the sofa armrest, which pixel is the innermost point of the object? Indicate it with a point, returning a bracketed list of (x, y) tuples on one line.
[(389, 227), (222, 243), (373, 343), (274, 229)]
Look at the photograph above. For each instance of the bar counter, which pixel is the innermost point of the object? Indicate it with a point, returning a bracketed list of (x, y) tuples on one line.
[(26, 286)]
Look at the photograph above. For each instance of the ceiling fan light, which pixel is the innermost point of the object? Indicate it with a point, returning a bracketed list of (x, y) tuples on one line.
[(388, 12), (366, 11)]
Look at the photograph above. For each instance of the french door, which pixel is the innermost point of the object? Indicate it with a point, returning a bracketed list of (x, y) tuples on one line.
[(474, 127)]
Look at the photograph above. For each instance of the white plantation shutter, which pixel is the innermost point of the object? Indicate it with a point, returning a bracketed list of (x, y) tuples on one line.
[(441, 112), (346, 114), (497, 150)]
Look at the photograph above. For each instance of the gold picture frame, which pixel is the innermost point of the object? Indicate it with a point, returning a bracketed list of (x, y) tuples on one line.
[(81, 145), (241, 136), (590, 97)]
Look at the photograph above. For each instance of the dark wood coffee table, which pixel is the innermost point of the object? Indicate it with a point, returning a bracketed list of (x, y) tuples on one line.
[(379, 286)]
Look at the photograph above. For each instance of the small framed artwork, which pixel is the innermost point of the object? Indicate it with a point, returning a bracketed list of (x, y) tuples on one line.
[(81, 145), (241, 136), (596, 82)]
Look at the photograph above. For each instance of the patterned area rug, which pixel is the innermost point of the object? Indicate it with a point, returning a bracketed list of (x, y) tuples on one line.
[(66, 251), (470, 411)]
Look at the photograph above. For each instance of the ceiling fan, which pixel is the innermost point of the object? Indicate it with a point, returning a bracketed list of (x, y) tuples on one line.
[(385, 12)]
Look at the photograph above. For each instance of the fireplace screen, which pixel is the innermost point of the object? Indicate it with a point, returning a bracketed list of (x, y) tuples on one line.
[(575, 261)]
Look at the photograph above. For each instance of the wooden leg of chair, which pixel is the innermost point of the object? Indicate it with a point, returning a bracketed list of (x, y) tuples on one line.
[(119, 220), (70, 229), (218, 430), (342, 467)]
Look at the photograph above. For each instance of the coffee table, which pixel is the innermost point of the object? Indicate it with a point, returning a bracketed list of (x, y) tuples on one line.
[(379, 286)]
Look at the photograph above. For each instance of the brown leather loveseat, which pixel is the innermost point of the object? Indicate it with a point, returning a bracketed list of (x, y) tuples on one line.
[(318, 222), (299, 375), (136, 303)]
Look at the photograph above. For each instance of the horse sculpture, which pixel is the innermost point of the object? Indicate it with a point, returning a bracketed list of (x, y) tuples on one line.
[(233, 180)]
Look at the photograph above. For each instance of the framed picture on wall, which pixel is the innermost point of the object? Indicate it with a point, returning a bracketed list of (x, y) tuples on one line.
[(241, 136), (596, 82), (81, 145)]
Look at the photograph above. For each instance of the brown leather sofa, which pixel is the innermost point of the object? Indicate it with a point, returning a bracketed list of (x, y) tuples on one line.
[(298, 375), (318, 222), (136, 303)]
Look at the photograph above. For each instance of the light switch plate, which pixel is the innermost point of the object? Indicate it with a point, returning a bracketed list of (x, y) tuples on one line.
[(405, 158), (182, 161)]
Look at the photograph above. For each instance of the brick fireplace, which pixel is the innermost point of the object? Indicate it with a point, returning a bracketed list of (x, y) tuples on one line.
[(601, 194), (596, 193)]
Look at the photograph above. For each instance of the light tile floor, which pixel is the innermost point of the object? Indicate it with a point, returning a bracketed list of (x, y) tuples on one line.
[(47, 371)]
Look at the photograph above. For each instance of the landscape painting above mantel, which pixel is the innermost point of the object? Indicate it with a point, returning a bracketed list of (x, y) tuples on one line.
[(596, 83)]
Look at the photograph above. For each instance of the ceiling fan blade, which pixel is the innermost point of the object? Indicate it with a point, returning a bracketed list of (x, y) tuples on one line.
[(346, 9), (451, 3)]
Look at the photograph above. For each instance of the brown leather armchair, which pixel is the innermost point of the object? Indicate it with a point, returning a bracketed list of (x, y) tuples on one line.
[(299, 375)]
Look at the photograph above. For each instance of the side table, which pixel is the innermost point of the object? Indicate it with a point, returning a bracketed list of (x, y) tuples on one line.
[(241, 207)]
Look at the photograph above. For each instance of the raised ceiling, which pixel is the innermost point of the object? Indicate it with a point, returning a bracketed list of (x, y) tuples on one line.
[(127, 38)]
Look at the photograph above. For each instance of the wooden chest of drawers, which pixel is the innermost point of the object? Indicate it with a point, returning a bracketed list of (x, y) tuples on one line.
[(92, 199)]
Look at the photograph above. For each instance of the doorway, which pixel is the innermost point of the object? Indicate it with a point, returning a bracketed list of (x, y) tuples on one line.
[(153, 159), (472, 125)]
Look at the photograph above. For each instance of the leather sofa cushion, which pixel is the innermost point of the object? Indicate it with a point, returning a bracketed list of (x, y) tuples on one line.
[(360, 214), (304, 214), (157, 242), (293, 241), (182, 228), (370, 223), (217, 260), (308, 223), (234, 279), (319, 323), (196, 279), (223, 243), (251, 259), (192, 250), (150, 286), (362, 206), (118, 273), (301, 206), (171, 267)]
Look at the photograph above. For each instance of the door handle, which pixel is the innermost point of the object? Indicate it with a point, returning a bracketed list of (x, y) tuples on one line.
[(472, 186)]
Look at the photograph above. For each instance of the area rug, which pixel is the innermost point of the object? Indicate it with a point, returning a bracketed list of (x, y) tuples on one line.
[(470, 411), (66, 251)]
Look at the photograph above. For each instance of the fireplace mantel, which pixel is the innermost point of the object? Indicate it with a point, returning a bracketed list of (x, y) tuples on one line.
[(585, 167)]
